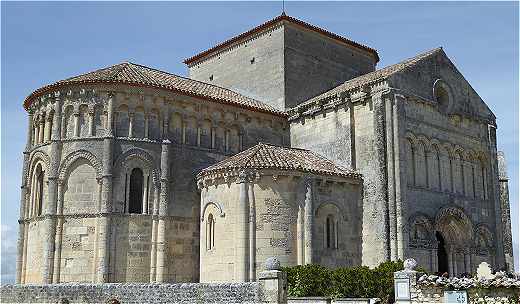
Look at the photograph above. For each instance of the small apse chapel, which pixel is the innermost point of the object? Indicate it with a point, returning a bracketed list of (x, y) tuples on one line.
[(284, 141)]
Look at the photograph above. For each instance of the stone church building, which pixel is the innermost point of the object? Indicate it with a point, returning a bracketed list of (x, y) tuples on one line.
[(284, 141)]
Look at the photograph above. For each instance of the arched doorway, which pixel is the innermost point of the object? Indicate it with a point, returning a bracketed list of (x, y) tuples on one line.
[(456, 230), (442, 255)]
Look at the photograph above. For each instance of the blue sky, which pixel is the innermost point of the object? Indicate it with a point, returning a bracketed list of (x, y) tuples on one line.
[(47, 41)]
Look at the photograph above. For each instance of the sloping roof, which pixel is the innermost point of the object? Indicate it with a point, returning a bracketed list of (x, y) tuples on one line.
[(375, 76), (139, 75), (271, 22), (267, 156)]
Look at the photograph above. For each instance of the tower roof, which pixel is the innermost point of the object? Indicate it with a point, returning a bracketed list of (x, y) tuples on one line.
[(268, 156), (139, 75), (273, 21)]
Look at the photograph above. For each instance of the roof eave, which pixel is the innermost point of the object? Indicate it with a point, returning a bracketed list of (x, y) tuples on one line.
[(48, 88), (283, 17)]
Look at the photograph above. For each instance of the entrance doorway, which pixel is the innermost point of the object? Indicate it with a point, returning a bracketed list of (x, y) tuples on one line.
[(442, 256)]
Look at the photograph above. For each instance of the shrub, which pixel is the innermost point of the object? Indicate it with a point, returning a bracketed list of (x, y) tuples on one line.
[(347, 282)]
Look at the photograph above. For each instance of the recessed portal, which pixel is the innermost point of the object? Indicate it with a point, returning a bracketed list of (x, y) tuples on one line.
[(442, 256)]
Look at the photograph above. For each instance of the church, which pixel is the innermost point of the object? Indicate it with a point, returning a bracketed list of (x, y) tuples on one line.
[(283, 141)]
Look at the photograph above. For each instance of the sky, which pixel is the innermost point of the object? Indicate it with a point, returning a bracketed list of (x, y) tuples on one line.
[(43, 42)]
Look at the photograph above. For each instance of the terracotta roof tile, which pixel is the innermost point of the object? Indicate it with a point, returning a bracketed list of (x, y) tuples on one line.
[(374, 76), (272, 22), (135, 74), (267, 156)]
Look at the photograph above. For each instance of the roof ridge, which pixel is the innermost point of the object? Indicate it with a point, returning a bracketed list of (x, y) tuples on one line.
[(273, 21), (199, 81)]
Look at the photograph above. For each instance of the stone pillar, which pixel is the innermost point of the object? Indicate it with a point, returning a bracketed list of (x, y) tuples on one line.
[(213, 133), (163, 213), (273, 283), (144, 204), (48, 127), (130, 124), (308, 225), (105, 206), (59, 235), (379, 195), (41, 129), (198, 134), (52, 195), (405, 283), (241, 230), (400, 179), (146, 125), (495, 198), (503, 180), (252, 233), (24, 203), (76, 122), (91, 117), (391, 178), (300, 238)]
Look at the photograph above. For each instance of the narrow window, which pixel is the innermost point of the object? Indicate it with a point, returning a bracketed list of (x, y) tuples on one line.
[(136, 191), (39, 190), (330, 227), (210, 232)]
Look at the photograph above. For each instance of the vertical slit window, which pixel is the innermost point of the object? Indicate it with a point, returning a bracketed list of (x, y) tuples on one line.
[(136, 191)]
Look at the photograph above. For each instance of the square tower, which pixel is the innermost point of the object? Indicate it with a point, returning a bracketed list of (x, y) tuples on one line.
[(283, 62)]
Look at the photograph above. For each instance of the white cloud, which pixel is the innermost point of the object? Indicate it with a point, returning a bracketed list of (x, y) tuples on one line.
[(8, 254)]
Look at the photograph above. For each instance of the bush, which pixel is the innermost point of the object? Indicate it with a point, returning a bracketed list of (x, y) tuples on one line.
[(347, 282)]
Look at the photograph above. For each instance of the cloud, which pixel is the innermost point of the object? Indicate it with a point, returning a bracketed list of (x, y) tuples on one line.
[(8, 254)]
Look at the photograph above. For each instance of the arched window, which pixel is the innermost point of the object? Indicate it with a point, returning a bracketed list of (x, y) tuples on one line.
[(210, 232), (38, 190), (331, 232), (135, 204)]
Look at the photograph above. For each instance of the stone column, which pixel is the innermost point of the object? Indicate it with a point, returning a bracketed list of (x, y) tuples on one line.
[(400, 179), (52, 195), (105, 207), (379, 195), (300, 235), (213, 133), (24, 203), (91, 117), (495, 198), (391, 178), (198, 134), (48, 127), (130, 124), (163, 213), (241, 230), (506, 214), (41, 129), (153, 254), (59, 235), (76, 122), (144, 206), (252, 232), (309, 225), (146, 125)]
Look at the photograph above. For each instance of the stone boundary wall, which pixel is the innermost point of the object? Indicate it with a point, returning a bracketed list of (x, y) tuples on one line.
[(270, 288), (414, 287), (134, 293), (325, 300)]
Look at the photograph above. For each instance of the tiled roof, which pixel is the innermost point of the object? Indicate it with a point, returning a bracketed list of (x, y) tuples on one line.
[(375, 76), (267, 24), (267, 156), (135, 74)]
